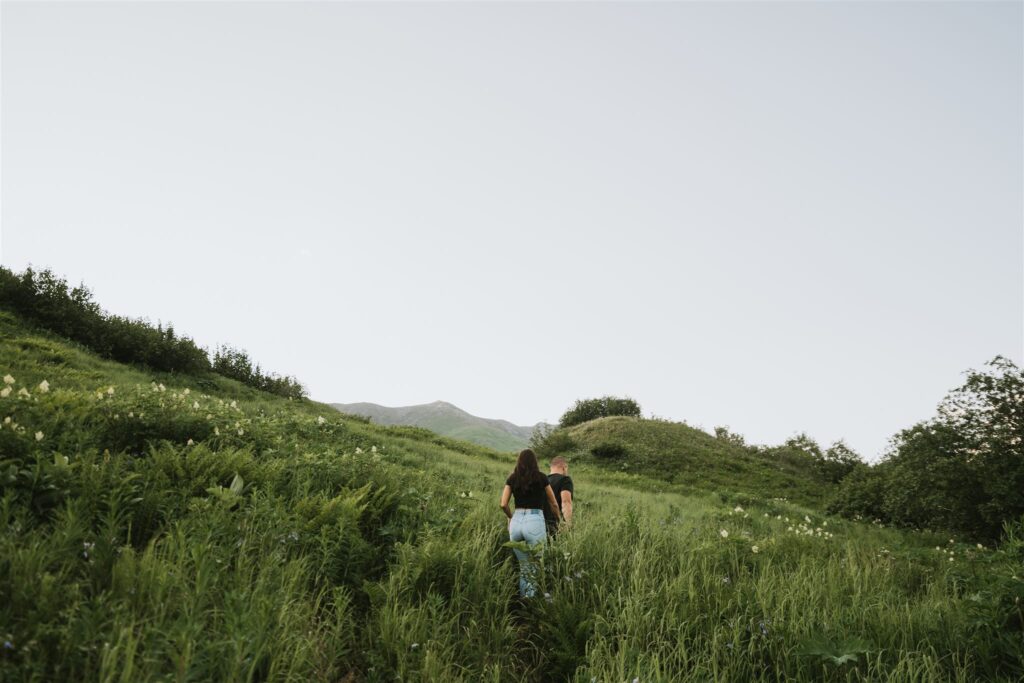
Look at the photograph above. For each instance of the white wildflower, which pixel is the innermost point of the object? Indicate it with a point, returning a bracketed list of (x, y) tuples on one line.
[(195, 405), (7, 420), (23, 392), (161, 387), (131, 414), (414, 646), (358, 450), (44, 386), (723, 533), (216, 431), (190, 443), (186, 392), (241, 432), (807, 519), (320, 419), (39, 436), (8, 379), (5, 392), (754, 549), (234, 404), (110, 391), (737, 509), (373, 449)]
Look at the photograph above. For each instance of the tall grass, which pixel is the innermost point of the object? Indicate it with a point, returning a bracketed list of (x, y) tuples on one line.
[(210, 532)]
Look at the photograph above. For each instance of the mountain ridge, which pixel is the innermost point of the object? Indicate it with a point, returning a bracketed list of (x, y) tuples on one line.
[(446, 419)]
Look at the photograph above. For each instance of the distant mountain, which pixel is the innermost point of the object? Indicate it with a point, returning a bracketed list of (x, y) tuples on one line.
[(447, 420)]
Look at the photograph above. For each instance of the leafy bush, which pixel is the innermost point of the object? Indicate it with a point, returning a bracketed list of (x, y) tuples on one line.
[(547, 442), (593, 408), (236, 364), (609, 451), (962, 471)]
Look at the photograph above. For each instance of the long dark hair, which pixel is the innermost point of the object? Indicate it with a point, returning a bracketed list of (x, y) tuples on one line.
[(527, 474)]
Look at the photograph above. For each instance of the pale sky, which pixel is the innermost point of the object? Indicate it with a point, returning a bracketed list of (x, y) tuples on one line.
[(779, 217)]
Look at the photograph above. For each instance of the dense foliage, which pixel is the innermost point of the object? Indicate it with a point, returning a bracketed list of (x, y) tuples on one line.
[(962, 471), (48, 301), (593, 408), (169, 527)]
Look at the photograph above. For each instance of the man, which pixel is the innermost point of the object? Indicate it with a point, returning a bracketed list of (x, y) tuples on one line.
[(561, 485)]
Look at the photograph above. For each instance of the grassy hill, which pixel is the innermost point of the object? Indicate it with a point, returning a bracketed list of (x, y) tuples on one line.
[(447, 420), (681, 454), (177, 527)]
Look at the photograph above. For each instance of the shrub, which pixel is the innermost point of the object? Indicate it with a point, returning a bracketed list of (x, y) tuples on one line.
[(609, 451), (585, 410)]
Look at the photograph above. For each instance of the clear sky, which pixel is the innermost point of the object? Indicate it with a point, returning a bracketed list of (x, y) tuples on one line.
[(779, 217)]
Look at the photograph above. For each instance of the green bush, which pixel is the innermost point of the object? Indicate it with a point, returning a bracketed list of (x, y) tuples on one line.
[(609, 451), (585, 410)]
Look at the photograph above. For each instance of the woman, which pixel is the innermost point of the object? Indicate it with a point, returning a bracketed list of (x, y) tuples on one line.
[(530, 488)]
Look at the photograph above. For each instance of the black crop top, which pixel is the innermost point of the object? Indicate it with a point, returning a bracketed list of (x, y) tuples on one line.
[(532, 497)]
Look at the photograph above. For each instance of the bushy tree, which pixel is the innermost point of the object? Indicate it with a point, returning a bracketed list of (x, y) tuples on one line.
[(962, 471), (585, 410)]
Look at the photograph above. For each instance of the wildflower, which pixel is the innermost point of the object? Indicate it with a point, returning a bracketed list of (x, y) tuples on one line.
[(161, 387), (723, 533), (766, 514), (547, 596), (110, 391), (39, 436), (44, 386), (414, 646), (131, 414), (8, 379), (241, 432), (358, 450), (754, 549), (950, 558), (23, 392), (195, 405), (737, 509), (234, 404), (5, 392), (190, 443), (216, 431), (320, 420), (938, 548), (7, 420), (981, 547), (186, 392), (807, 519), (951, 541), (373, 449)]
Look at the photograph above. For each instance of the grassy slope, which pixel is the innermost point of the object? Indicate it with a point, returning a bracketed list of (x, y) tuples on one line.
[(134, 561), (681, 454)]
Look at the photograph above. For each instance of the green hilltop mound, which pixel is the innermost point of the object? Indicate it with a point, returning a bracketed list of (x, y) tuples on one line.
[(681, 454), (447, 420), (187, 526)]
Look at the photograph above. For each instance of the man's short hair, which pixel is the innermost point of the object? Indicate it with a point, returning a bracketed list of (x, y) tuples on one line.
[(559, 461)]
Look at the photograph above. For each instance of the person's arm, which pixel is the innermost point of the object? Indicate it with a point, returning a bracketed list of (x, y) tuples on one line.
[(567, 506), (506, 495), (551, 500)]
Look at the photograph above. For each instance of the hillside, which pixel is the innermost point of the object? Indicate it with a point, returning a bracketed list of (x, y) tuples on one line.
[(681, 454), (447, 420), (165, 526)]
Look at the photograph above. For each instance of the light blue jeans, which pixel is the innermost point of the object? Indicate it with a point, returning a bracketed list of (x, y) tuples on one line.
[(527, 525)]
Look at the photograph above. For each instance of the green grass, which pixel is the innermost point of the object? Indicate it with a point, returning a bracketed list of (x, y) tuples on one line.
[(684, 455), (281, 546)]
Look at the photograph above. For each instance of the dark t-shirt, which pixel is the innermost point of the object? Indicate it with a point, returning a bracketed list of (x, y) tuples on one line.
[(559, 483), (532, 497)]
